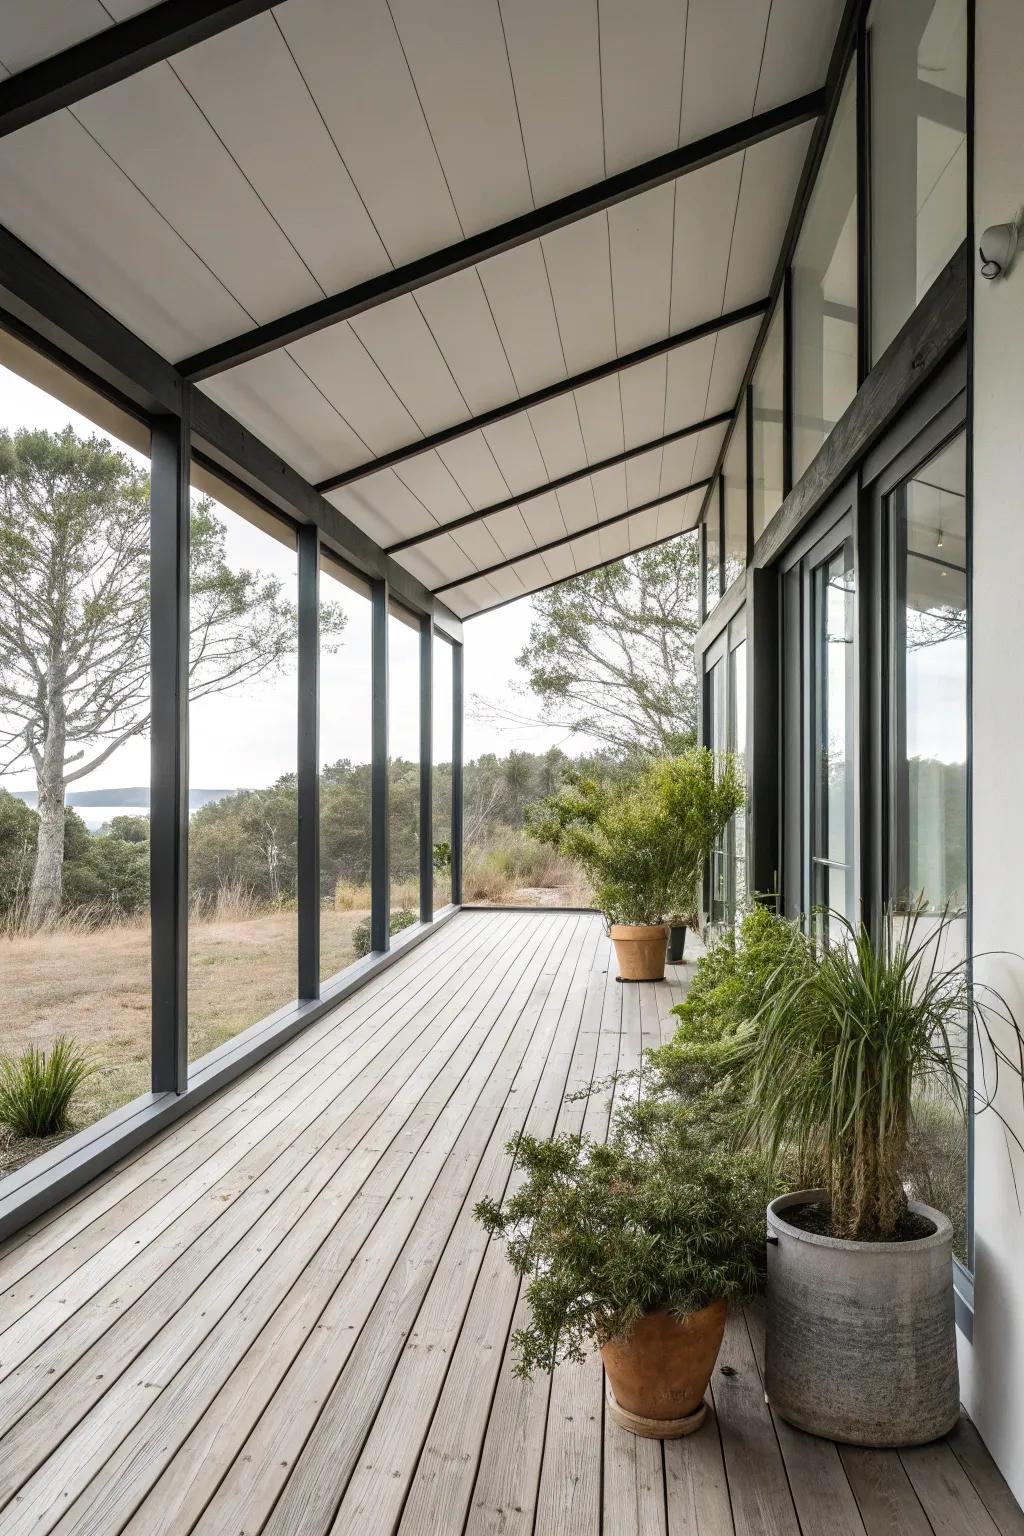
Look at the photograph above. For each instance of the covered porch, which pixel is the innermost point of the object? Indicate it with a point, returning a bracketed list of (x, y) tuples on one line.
[(280, 1316)]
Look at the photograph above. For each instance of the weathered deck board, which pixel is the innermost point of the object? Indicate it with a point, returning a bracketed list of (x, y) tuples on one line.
[(281, 1319)]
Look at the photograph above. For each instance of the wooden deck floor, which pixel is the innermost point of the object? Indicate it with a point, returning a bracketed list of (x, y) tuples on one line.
[(280, 1316)]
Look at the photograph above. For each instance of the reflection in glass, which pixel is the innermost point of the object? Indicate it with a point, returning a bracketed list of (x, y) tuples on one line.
[(443, 679), (734, 499), (825, 292), (346, 688), (832, 850), (712, 552), (404, 763), (919, 179), (768, 422)]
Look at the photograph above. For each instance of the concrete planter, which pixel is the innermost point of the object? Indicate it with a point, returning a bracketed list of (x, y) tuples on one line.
[(861, 1342)]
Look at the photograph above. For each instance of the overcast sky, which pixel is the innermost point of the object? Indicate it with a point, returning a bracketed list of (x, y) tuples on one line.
[(246, 738)]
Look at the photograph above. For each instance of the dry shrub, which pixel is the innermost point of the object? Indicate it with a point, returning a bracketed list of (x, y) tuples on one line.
[(510, 862)]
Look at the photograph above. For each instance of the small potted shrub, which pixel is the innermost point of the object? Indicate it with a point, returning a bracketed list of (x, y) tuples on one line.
[(637, 1245), (643, 843), (860, 1342)]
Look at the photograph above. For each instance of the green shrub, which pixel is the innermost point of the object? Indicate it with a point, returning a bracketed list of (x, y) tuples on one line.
[(37, 1087), (663, 1216), (643, 841), (361, 938)]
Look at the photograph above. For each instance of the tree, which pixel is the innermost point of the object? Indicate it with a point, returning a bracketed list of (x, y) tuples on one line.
[(74, 621), (610, 653)]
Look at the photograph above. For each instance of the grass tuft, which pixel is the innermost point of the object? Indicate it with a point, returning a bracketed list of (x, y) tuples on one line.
[(37, 1087)]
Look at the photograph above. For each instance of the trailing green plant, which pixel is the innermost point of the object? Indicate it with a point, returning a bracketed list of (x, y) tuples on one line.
[(643, 841), (362, 936), (38, 1087), (662, 1216), (841, 1048)]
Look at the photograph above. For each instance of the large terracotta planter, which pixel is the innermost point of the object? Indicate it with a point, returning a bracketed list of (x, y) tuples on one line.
[(640, 950), (658, 1376)]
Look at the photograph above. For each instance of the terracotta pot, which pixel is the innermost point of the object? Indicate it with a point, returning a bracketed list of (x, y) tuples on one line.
[(640, 950), (658, 1376)]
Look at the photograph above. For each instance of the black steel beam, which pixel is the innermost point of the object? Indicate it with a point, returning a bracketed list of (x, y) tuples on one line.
[(570, 538), (168, 783), (557, 485), (380, 810), (458, 819), (543, 396), (502, 237), (426, 770), (115, 53), (308, 760)]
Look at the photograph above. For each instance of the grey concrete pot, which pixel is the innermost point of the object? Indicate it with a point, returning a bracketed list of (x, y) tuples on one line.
[(861, 1341)]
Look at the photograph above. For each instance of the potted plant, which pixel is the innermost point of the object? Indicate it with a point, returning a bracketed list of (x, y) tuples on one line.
[(637, 1245), (642, 842), (860, 1343)]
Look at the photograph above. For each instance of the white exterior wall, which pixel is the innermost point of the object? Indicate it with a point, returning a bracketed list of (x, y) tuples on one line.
[(993, 1368)]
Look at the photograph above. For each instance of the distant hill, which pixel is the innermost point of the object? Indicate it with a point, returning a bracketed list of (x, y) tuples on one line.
[(136, 797)]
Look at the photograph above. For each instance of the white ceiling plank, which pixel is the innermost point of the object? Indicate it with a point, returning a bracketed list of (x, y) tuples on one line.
[(643, 528), (516, 450), (472, 465), (478, 544), (458, 314), (724, 43), (688, 375), (677, 465), (643, 401), (643, 478), (543, 517), (732, 352), (352, 60), (671, 519), (577, 506), (399, 340), (579, 269), (386, 497), (559, 564), (610, 491), (506, 584), (517, 289), (705, 207), (600, 411), (532, 572), (456, 52), (614, 542), (706, 450), (284, 149), (797, 50), (429, 480), (32, 31), (640, 232), (275, 400), (68, 200), (642, 50), (339, 363), (555, 56), (509, 531), (586, 550), (558, 433), (439, 561), (154, 131), (771, 171)]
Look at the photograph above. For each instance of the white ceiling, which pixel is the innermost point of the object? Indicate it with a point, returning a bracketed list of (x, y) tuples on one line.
[(323, 142)]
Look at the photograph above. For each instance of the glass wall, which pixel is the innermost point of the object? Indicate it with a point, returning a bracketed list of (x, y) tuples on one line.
[(919, 169), (346, 692), (443, 679), (74, 740), (832, 734), (768, 396), (734, 499), (738, 746), (404, 764), (713, 552), (716, 735), (243, 810), (825, 291)]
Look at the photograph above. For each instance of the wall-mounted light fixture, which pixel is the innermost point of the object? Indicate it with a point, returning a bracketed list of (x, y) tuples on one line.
[(998, 248)]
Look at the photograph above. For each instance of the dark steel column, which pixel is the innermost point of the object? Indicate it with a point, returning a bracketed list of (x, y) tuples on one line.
[(457, 708), (168, 793), (426, 769), (308, 849), (380, 850)]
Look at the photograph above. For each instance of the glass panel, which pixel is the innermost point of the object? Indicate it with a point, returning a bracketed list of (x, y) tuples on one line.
[(825, 292), (74, 746), (404, 765), (442, 771), (738, 745), (718, 740), (768, 426), (243, 826), (346, 692), (832, 850), (734, 472), (919, 180), (932, 586), (712, 547)]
